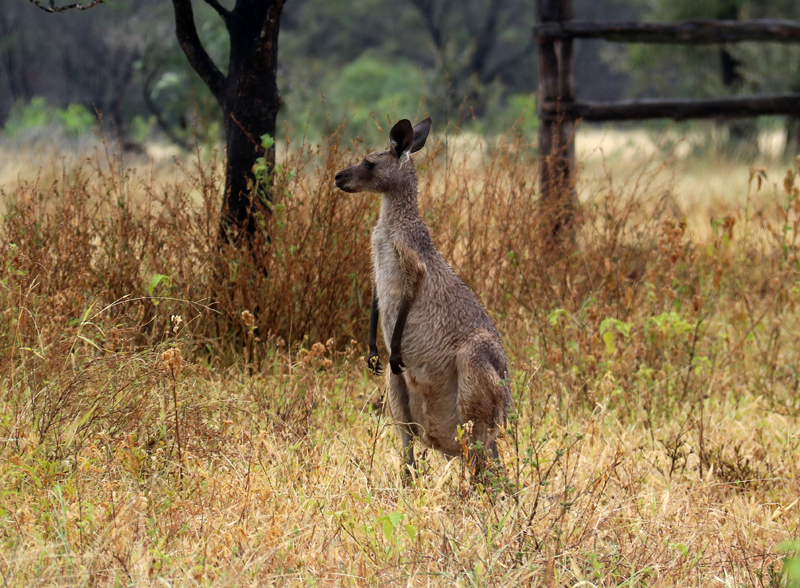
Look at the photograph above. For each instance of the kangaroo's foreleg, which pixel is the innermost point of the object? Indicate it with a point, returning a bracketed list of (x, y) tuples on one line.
[(373, 361), (396, 357), (413, 272)]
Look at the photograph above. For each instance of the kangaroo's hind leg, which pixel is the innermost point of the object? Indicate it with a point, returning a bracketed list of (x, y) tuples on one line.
[(483, 398), (401, 413)]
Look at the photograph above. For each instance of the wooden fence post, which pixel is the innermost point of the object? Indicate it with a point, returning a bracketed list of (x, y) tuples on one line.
[(555, 30), (556, 141)]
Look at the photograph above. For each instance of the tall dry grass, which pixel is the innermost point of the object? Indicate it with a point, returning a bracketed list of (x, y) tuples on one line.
[(177, 413)]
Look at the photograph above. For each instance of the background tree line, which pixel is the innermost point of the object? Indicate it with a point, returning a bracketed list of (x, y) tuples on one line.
[(469, 58)]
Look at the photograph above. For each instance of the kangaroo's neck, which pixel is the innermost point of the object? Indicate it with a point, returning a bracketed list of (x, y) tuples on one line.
[(401, 203)]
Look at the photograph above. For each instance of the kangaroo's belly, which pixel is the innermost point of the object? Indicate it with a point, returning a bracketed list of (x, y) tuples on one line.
[(434, 409), (439, 319)]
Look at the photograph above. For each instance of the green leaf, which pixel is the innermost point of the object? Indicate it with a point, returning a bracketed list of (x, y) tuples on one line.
[(680, 548), (608, 337), (554, 316), (389, 523), (791, 570), (155, 281), (411, 530), (90, 342), (395, 518), (386, 525)]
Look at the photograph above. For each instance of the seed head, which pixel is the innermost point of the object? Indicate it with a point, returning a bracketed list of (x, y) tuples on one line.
[(173, 361), (176, 322)]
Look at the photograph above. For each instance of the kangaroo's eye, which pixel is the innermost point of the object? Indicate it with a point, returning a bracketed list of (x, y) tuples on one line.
[(369, 165)]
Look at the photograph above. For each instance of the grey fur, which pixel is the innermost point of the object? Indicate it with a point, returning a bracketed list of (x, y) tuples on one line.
[(448, 367)]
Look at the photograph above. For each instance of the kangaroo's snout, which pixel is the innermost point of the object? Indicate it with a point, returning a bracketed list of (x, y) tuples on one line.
[(343, 180)]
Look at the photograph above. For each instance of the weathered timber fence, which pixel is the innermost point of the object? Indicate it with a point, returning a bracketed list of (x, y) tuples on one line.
[(558, 109)]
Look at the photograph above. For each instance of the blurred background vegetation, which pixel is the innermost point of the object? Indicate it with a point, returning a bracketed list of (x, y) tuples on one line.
[(472, 62)]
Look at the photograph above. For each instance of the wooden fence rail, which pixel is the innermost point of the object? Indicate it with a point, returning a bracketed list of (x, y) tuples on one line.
[(699, 32), (558, 109), (676, 109)]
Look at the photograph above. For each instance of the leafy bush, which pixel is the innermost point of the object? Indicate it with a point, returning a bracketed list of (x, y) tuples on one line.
[(371, 85), (74, 120)]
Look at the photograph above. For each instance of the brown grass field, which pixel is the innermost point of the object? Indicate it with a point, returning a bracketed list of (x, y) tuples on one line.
[(176, 413)]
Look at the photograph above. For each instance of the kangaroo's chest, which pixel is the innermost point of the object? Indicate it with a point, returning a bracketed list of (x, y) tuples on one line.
[(388, 274)]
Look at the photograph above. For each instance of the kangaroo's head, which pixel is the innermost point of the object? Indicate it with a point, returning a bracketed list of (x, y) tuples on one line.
[(386, 171)]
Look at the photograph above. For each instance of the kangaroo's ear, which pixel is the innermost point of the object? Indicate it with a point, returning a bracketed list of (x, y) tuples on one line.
[(421, 134), (401, 137)]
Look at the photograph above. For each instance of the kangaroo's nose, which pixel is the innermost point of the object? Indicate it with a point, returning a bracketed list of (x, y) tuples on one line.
[(338, 176)]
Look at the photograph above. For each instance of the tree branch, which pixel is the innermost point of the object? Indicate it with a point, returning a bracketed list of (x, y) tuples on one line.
[(165, 127), (223, 12), (469, 16), (425, 8), (486, 38), (52, 8), (200, 61)]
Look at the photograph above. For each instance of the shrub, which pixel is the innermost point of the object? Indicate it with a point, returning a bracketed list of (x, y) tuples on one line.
[(74, 120)]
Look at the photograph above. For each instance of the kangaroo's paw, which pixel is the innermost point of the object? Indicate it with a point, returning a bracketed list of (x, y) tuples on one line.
[(396, 363), (374, 364)]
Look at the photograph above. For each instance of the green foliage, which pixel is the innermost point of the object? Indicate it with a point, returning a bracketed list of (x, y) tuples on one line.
[(611, 326), (141, 127), (338, 60), (175, 94), (791, 563), (522, 108), (369, 84), (157, 285), (390, 522), (74, 120), (261, 169)]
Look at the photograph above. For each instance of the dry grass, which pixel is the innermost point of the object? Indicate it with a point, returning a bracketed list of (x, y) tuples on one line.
[(655, 378)]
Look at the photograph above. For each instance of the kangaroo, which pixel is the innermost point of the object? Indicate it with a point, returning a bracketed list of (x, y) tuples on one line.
[(448, 367)]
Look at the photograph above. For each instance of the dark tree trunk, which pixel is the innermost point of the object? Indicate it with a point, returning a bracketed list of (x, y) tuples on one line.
[(249, 99), (792, 147), (250, 105), (728, 64), (742, 134), (730, 69), (122, 75), (13, 58)]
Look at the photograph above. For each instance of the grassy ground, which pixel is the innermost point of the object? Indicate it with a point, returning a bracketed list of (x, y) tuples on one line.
[(174, 415)]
